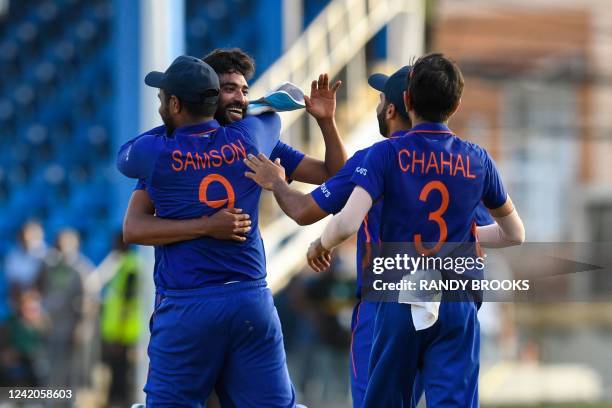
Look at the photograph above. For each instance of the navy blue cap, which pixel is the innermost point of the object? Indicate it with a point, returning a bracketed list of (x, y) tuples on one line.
[(189, 78), (393, 87)]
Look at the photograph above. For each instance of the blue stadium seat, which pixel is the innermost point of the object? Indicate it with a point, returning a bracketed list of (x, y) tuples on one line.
[(58, 126), (220, 23)]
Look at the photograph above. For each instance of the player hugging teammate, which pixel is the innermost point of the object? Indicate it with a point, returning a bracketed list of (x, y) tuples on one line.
[(215, 325)]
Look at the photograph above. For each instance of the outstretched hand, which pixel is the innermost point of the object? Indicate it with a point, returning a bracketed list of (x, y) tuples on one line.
[(321, 103), (318, 257), (265, 172)]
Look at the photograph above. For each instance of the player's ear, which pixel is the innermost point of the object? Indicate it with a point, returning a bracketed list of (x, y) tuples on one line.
[(391, 111), (407, 101), (175, 105)]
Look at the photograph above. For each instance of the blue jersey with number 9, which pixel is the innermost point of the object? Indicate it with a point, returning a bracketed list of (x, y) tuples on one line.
[(196, 172)]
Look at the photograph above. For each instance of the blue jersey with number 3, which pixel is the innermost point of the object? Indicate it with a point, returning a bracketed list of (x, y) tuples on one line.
[(195, 173), (432, 183), (332, 195)]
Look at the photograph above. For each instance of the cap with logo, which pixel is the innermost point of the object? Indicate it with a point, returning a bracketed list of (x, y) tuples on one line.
[(393, 87), (188, 78)]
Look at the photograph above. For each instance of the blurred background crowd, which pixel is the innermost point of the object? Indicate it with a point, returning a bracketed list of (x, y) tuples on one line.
[(75, 301)]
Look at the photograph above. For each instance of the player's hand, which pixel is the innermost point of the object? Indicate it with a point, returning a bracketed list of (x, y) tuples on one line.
[(318, 257), (266, 173), (322, 101), (228, 224)]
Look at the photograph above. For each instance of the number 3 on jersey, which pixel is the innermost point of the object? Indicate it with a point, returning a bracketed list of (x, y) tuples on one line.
[(435, 216), (230, 201)]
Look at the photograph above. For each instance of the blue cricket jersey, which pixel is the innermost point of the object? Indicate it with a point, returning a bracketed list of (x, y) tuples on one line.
[(432, 183), (194, 173), (332, 195)]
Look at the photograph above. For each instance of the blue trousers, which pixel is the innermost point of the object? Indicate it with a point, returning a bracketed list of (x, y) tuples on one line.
[(445, 356), (226, 338), (362, 328)]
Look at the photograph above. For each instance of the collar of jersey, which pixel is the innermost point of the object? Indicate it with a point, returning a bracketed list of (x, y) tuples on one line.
[(199, 129), (430, 127)]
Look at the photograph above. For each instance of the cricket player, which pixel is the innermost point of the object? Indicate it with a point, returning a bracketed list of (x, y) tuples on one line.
[(331, 196), (215, 324), (432, 183), (234, 68)]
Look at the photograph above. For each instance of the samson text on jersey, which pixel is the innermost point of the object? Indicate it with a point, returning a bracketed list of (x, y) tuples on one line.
[(194, 173)]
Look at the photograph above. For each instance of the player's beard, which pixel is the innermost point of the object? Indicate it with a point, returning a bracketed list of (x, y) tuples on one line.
[(223, 115), (167, 119), (383, 128)]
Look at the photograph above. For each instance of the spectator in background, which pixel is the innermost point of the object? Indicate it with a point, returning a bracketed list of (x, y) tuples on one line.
[(21, 341), (23, 262), (61, 283), (22, 321), (6, 351), (69, 244), (121, 324)]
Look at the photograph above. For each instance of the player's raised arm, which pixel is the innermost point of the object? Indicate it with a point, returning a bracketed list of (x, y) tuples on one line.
[(271, 176), (322, 106), (263, 130), (141, 226)]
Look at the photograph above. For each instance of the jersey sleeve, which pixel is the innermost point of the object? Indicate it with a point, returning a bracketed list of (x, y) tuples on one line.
[(136, 158), (332, 195), (290, 158), (261, 131), (494, 194), (140, 185), (371, 174), (482, 216)]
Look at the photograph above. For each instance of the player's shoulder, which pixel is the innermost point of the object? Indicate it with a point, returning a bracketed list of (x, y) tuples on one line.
[(471, 147), (157, 131), (386, 144), (254, 122), (384, 149), (359, 155), (253, 127), (354, 161)]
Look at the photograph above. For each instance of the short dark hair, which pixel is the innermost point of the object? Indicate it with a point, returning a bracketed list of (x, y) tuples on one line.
[(195, 109), (231, 60), (435, 87)]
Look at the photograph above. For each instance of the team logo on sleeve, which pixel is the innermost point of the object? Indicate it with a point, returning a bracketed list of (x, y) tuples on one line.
[(361, 170), (325, 190)]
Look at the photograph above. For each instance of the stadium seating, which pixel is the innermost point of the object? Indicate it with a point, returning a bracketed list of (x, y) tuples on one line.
[(222, 23), (57, 101), (55, 118)]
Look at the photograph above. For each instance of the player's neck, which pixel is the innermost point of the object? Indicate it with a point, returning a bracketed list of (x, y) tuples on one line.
[(418, 120), (397, 126), (190, 121)]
